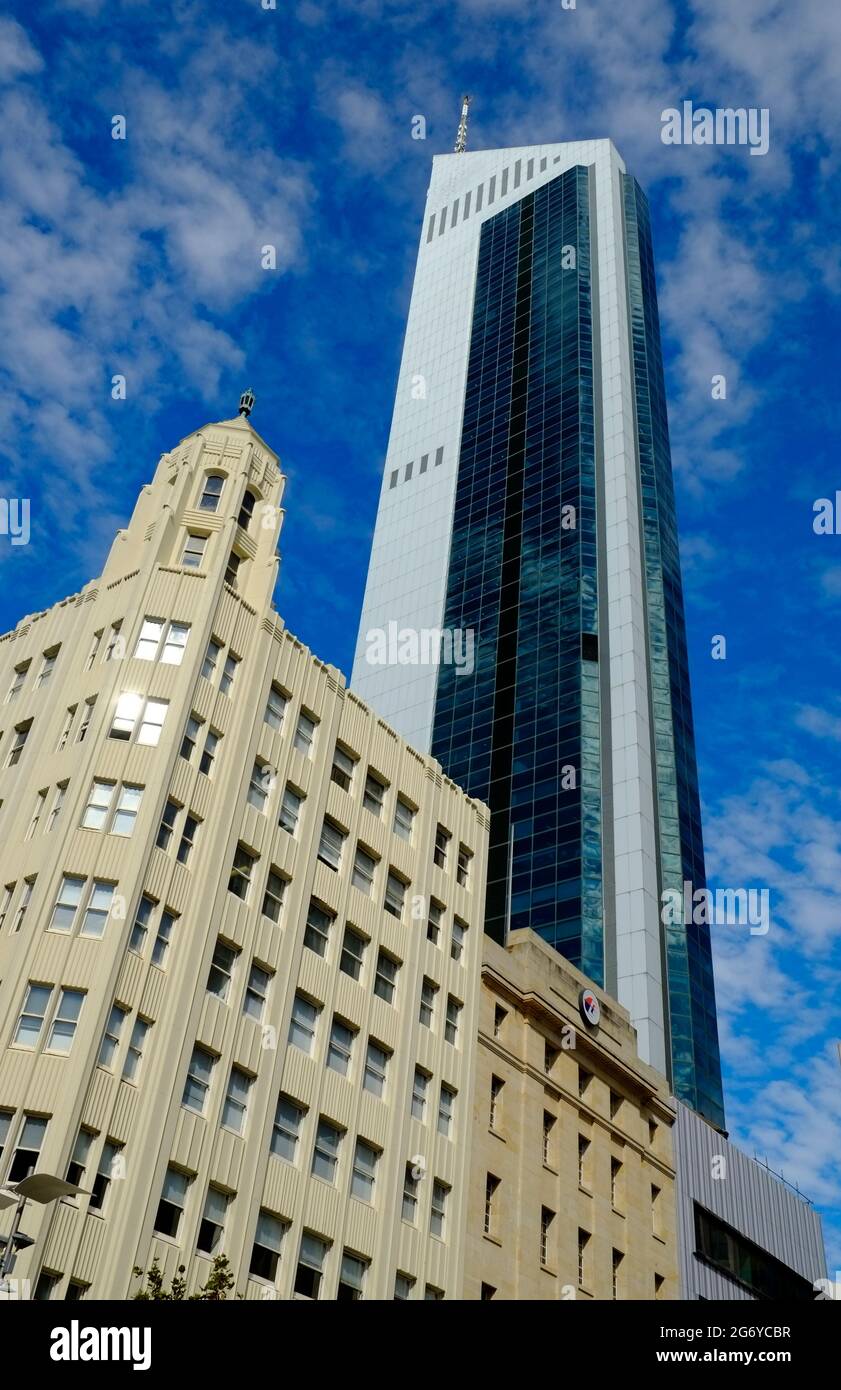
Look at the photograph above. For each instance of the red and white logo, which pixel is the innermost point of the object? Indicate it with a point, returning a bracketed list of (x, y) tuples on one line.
[(590, 1007)]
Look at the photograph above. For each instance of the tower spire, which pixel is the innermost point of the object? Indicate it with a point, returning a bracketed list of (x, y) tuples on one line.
[(461, 138)]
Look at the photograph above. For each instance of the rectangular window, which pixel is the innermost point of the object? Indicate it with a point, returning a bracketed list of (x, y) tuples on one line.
[(163, 938), (18, 679), (149, 639), (221, 970), (232, 569), (374, 795), (491, 1188), (197, 1084), (242, 869), (28, 1151), (229, 672), (168, 819), (615, 1104), (275, 707), (330, 844), (79, 1157), (18, 743), (497, 1084), (37, 812), (364, 1171), (583, 1241), (25, 899), (583, 1146), (64, 1023), (385, 978), (235, 1105), (403, 1284), (584, 1079), (140, 720), (111, 1036), (115, 648), (5, 904), (550, 1057), (134, 1053), (286, 1130), (273, 895), (420, 1087), (140, 927), (427, 1002), (6, 1117), (325, 1157), (259, 786), (172, 1203), (364, 865), (97, 910), (310, 1265), (457, 942), (188, 838), (404, 817), (175, 644), (67, 903), (548, 1126), (95, 813), (616, 1265), (446, 1110), (546, 1219), (442, 839), (409, 1211), (92, 650), (191, 736), (48, 667), (317, 929), (212, 1225), (463, 866), (304, 735), (376, 1067), (342, 770), (340, 1047), (302, 1024), (214, 651), (193, 552), (55, 809), (32, 1016), (87, 716), (433, 921), (108, 1168), (265, 1252), (66, 727), (451, 1024), (615, 1183), (438, 1211), (126, 810), (290, 810), (353, 949), (211, 745), (395, 896)]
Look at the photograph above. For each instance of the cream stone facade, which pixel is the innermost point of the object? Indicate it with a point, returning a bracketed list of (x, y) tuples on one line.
[(572, 1167), (241, 928)]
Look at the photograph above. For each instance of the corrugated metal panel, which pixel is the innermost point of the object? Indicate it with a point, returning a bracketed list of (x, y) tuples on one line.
[(748, 1198)]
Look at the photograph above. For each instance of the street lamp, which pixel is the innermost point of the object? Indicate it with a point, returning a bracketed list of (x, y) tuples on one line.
[(38, 1187)]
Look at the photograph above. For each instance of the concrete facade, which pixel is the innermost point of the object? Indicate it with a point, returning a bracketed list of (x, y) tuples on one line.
[(557, 1100), (183, 946)]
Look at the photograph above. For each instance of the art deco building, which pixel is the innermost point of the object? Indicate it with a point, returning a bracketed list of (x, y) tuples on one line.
[(527, 500), (572, 1173), (240, 928)]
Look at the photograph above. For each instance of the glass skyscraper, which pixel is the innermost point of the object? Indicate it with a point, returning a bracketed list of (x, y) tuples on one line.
[(527, 501)]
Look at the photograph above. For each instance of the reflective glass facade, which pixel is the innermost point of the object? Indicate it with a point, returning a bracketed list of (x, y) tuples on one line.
[(696, 1064), (524, 732)]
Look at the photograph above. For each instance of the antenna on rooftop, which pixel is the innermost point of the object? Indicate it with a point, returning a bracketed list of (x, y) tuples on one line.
[(461, 138)]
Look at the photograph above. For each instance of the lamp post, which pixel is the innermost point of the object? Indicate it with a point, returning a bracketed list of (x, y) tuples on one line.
[(38, 1187)]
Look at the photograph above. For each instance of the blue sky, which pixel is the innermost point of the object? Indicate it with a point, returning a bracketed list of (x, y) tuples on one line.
[(293, 127)]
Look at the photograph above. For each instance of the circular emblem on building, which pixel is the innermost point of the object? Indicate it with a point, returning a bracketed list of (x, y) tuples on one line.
[(590, 1008)]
